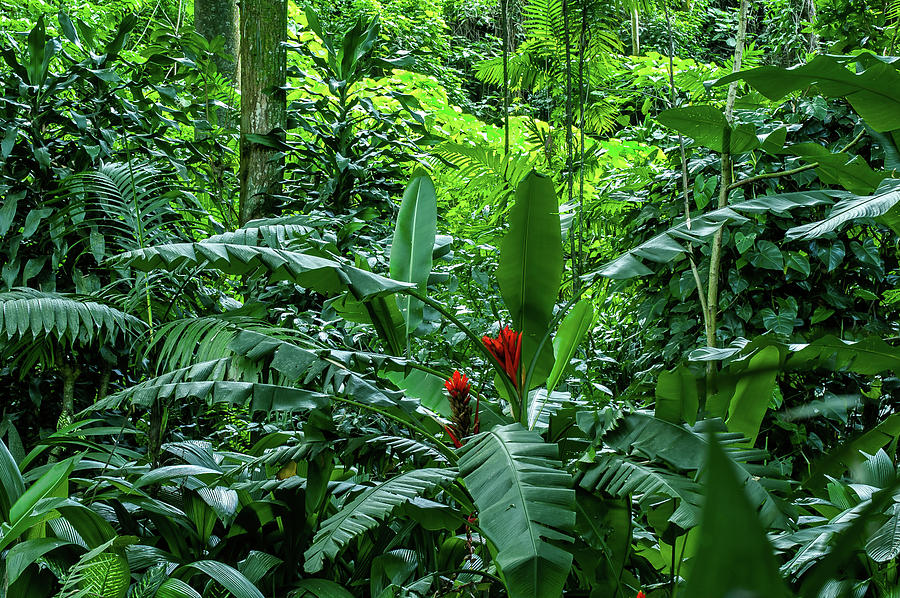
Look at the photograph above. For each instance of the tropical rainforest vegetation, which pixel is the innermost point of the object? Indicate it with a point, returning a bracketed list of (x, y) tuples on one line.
[(389, 298)]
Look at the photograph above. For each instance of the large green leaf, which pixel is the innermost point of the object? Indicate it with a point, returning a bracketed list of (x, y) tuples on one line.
[(319, 588), (850, 453), (259, 397), (25, 553), (753, 393), (850, 172), (413, 243), (677, 399), (627, 476), (57, 477), (525, 502), (175, 588), (874, 93), (706, 125), (850, 209), (734, 557), (571, 330), (884, 544), (368, 509), (869, 356), (685, 449), (531, 266)]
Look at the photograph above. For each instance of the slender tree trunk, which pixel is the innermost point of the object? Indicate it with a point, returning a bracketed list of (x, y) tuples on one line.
[(813, 38), (214, 18), (635, 32), (715, 257), (69, 374), (504, 29), (103, 388), (263, 103)]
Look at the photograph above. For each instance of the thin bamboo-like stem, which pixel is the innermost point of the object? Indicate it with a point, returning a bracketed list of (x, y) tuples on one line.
[(570, 180), (504, 29), (582, 100), (684, 175), (715, 257)]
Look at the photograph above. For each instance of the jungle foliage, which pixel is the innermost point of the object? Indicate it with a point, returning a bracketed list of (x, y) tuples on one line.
[(555, 297)]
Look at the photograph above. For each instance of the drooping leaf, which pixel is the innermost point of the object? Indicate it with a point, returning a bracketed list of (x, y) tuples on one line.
[(667, 246), (322, 275), (32, 314), (850, 209), (685, 449), (850, 172), (872, 92)]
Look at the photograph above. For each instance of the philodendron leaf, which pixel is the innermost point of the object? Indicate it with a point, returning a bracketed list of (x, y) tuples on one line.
[(706, 125), (734, 558), (531, 265), (413, 245)]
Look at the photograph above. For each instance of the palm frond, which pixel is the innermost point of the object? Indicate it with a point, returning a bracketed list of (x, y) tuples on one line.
[(34, 315)]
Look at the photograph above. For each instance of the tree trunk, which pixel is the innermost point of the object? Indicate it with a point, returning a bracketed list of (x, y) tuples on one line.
[(635, 33), (69, 374), (263, 103), (715, 257), (214, 18)]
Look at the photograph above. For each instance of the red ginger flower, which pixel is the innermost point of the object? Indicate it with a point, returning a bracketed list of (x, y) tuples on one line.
[(507, 348), (641, 594), (458, 387)]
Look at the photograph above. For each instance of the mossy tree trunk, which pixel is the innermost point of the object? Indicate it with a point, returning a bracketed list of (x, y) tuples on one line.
[(263, 103)]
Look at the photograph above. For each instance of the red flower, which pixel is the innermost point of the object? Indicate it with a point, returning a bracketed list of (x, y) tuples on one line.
[(458, 387), (507, 348), (641, 594)]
